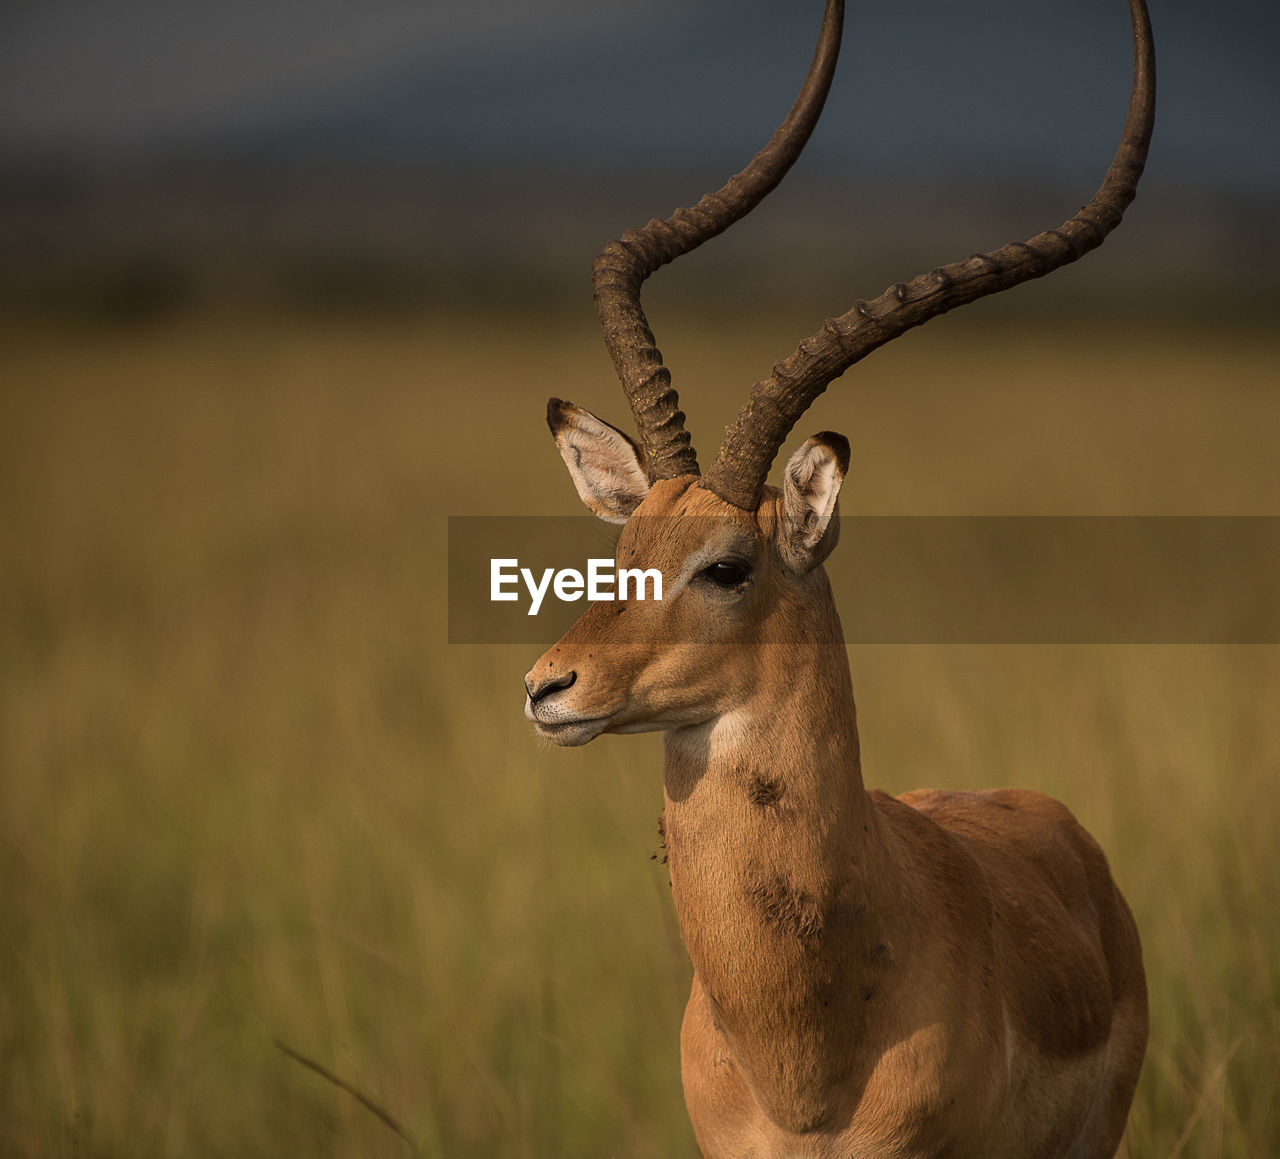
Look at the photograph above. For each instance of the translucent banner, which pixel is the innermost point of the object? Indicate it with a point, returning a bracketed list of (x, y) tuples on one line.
[(897, 580)]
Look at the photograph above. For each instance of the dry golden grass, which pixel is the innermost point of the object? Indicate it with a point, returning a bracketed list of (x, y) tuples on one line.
[(248, 793)]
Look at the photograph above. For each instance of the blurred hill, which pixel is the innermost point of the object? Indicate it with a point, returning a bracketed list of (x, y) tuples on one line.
[(148, 240)]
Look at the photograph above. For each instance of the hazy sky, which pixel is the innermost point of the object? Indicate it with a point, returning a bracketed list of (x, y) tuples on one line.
[(559, 79), (82, 72)]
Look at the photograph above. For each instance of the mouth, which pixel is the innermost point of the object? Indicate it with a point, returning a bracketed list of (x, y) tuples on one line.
[(562, 728)]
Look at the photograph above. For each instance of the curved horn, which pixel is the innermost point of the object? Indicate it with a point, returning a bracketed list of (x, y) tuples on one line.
[(623, 265), (740, 469)]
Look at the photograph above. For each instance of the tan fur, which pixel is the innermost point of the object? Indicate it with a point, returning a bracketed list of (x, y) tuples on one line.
[(942, 974)]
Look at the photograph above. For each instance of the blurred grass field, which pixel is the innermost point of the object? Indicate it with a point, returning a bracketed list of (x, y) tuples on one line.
[(248, 793)]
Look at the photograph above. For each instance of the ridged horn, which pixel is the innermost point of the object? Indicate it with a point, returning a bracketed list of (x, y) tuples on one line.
[(740, 469), (622, 265)]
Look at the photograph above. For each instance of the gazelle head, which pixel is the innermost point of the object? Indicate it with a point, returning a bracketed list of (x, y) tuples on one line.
[(741, 561), (731, 578)]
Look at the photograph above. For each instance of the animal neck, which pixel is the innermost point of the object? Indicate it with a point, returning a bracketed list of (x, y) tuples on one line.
[(781, 876)]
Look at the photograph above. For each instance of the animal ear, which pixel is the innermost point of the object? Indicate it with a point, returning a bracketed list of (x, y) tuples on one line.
[(606, 465), (810, 525)]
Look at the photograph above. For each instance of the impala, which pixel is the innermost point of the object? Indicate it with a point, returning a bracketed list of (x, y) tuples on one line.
[(937, 974)]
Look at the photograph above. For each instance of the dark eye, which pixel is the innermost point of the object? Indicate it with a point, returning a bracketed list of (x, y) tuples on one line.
[(727, 573)]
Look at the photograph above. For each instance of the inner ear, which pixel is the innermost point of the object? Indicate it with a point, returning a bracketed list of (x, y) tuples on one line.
[(606, 465), (810, 526)]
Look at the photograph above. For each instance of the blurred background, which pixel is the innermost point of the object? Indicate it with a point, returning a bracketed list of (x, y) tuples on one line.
[(285, 285), (155, 156)]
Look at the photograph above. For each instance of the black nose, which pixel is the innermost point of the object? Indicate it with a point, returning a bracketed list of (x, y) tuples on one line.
[(548, 686)]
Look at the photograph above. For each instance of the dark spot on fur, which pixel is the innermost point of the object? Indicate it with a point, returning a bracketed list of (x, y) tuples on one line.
[(764, 791), (789, 910)]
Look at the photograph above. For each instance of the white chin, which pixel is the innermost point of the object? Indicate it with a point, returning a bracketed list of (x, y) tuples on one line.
[(645, 726), (570, 733)]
